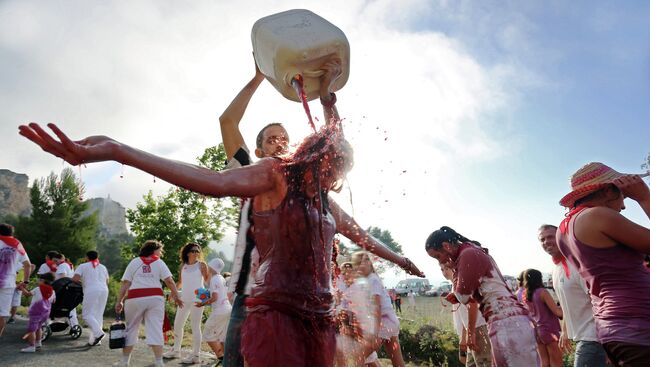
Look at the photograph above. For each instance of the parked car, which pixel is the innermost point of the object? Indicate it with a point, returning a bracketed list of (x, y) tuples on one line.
[(417, 285), (442, 290)]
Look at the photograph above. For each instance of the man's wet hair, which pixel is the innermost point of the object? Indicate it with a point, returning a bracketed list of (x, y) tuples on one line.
[(445, 234), (260, 136)]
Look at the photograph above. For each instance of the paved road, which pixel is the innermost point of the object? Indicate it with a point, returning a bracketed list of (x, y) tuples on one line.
[(61, 351)]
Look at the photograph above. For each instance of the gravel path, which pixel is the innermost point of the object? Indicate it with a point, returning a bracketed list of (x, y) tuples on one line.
[(61, 351)]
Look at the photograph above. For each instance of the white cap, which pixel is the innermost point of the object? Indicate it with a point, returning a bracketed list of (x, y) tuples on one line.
[(216, 264)]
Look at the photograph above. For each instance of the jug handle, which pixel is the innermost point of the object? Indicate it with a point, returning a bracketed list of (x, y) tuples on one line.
[(313, 73)]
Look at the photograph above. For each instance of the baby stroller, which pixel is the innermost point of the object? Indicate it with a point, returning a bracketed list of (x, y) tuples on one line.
[(68, 296)]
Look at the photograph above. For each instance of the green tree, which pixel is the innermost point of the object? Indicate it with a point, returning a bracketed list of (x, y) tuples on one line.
[(109, 248), (386, 238), (646, 165), (58, 221), (182, 216)]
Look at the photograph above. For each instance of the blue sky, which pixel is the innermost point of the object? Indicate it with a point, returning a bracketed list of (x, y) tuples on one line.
[(489, 107)]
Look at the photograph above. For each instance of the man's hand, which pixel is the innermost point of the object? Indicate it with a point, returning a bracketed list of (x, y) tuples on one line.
[(410, 268), (258, 73), (119, 306), (90, 149), (333, 71), (451, 298), (471, 341), (565, 344), (632, 186)]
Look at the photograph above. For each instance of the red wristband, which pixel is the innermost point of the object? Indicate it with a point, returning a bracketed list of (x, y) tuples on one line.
[(331, 102)]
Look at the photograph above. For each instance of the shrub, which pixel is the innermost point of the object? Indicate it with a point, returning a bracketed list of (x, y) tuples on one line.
[(113, 291), (430, 346)]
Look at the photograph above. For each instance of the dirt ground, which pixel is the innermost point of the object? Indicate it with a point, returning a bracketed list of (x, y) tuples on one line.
[(61, 351)]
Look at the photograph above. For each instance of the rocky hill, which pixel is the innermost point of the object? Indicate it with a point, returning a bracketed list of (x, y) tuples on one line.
[(14, 200), (111, 215), (14, 194)]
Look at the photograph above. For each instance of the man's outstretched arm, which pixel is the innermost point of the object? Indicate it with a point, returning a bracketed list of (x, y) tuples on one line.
[(348, 227)]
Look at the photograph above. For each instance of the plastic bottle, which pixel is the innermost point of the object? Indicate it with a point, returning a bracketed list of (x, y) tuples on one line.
[(298, 42)]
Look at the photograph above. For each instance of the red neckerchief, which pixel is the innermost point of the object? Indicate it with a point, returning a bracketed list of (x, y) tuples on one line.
[(46, 291), (13, 243), (565, 266), (148, 260), (94, 263), (52, 265), (564, 225)]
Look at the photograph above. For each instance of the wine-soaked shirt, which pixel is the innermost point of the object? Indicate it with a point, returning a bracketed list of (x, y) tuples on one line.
[(294, 241), (618, 284), (477, 276)]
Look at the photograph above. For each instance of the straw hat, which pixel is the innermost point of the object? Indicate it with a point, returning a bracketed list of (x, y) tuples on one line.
[(589, 179)]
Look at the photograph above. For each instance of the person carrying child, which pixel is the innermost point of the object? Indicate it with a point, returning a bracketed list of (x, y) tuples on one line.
[(39, 310)]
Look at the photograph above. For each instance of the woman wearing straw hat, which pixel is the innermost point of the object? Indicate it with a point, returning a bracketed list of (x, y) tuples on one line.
[(608, 250)]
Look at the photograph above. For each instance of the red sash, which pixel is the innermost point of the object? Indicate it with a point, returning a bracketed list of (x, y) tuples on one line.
[(13, 243), (144, 292)]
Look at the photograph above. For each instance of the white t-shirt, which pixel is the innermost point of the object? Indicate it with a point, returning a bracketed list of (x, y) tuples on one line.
[(377, 289), (37, 296), (357, 300), (146, 276), (11, 260), (574, 299), (63, 270), (218, 286), (92, 278), (43, 269), (411, 297)]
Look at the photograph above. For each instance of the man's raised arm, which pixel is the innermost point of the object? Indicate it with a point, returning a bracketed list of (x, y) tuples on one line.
[(230, 118)]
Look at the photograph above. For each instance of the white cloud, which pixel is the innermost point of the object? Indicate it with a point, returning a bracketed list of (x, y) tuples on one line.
[(156, 75)]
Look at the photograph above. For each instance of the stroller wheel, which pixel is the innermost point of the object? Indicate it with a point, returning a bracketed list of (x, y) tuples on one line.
[(75, 332), (45, 332)]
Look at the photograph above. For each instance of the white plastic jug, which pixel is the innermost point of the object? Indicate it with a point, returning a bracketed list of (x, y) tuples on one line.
[(298, 42)]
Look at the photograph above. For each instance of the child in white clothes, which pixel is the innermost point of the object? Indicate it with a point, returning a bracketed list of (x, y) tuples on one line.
[(214, 331), (388, 325)]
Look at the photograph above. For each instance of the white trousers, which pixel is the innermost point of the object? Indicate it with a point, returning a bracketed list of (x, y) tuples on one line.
[(93, 310), (151, 310), (179, 324), (6, 296)]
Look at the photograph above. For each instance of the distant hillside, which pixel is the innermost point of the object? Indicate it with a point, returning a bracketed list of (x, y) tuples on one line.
[(14, 201), (111, 216), (14, 194)]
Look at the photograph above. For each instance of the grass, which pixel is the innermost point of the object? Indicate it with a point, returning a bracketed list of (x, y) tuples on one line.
[(427, 311)]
